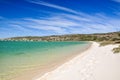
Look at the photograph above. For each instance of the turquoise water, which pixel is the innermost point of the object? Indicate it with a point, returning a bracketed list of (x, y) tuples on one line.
[(19, 56)]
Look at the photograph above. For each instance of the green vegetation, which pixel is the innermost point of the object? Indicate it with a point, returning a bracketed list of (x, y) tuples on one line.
[(117, 49), (114, 36), (104, 43)]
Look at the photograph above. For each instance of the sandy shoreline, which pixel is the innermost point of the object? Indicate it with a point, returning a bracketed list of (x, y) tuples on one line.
[(97, 63)]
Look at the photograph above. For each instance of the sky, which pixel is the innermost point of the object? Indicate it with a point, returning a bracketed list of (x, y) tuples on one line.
[(58, 17)]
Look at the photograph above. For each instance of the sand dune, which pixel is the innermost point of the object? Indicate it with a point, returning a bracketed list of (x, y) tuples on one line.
[(97, 63)]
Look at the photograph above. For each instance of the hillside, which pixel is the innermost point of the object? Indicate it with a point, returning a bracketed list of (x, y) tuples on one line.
[(113, 36)]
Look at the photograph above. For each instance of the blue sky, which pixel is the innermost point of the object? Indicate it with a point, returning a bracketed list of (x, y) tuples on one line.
[(57, 17)]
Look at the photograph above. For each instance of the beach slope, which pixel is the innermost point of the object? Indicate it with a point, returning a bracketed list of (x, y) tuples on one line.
[(97, 63)]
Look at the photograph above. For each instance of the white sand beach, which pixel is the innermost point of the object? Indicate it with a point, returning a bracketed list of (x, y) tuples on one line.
[(97, 63)]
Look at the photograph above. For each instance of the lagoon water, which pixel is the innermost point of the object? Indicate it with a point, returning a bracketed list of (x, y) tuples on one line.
[(17, 57)]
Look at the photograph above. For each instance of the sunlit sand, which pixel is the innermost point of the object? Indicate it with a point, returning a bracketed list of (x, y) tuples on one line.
[(97, 63)]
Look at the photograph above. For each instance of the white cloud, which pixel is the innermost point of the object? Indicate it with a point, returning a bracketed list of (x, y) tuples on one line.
[(18, 27), (58, 22), (53, 6), (67, 24), (117, 1), (1, 17)]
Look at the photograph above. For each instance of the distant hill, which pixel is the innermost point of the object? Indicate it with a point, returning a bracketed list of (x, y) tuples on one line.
[(113, 36)]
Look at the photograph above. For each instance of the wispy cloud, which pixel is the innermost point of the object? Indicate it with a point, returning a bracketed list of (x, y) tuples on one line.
[(1, 17), (53, 6), (61, 23), (117, 1), (68, 24)]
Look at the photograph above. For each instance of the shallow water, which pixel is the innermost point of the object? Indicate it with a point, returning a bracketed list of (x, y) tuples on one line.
[(19, 56)]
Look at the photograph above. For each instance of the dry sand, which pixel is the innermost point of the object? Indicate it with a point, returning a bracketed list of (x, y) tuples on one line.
[(97, 63)]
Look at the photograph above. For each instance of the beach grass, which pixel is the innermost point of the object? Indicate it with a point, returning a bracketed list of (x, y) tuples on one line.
[(117, 49), (104, 43)]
